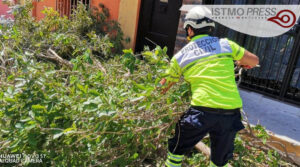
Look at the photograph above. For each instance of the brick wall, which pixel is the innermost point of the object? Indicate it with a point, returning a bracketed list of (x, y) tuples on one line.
[(181, 35)]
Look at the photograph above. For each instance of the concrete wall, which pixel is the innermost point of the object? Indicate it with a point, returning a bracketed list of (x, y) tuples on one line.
[(128, 18), (40, 6), (126, 12), (112, 5)]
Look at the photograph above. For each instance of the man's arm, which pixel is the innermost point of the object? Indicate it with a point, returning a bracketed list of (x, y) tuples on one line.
[(242, 56), (249, 59)]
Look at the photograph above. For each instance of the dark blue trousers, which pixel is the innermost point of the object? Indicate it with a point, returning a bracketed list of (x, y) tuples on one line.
[(195, 124)]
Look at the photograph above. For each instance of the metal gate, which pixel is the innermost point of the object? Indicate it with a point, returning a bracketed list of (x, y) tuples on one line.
[(279, 74)]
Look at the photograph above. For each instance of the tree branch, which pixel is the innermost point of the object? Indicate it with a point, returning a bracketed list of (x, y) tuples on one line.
[(59, 59)]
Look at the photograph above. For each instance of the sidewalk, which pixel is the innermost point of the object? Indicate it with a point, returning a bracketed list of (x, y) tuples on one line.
[(279, 117)]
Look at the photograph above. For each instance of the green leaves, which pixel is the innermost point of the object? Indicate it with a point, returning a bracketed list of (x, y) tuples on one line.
[(19, 126), (38, 107), (129, 60), (87, 56), (94, 117), (105, 115), (261, 133), (150, 57), (57, 133), (91, 104), (135, 156)]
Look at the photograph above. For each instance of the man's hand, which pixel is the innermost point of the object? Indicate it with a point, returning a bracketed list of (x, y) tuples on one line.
[(163, 82)]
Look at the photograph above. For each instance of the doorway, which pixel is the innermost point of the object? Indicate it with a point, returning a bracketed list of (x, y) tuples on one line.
[(158, 24)]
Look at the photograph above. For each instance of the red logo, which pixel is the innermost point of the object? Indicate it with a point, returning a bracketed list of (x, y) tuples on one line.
[(284, 18)]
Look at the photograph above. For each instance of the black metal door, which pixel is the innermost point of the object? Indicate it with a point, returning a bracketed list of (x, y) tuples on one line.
[(158, 24)]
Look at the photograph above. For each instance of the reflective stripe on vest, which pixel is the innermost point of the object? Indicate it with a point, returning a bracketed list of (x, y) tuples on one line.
[(201, 48)]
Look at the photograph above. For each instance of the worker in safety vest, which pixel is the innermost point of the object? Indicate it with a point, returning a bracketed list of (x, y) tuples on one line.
[(207, 63)]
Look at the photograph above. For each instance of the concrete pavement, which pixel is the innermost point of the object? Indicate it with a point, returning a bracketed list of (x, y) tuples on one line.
[(279, 117)]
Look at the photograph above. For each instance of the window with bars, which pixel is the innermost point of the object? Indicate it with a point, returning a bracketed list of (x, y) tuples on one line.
[(66, 7)]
